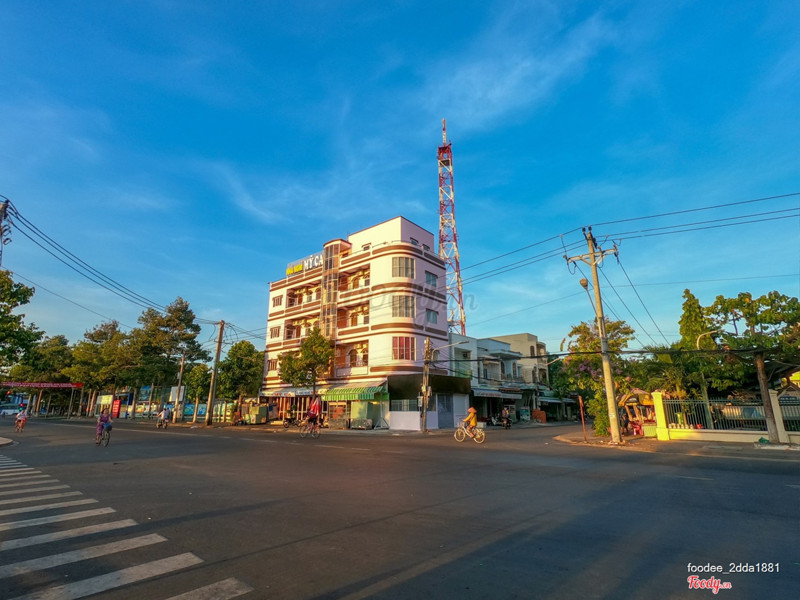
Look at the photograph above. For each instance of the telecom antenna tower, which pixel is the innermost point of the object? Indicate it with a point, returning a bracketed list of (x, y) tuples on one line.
[(448, 238)]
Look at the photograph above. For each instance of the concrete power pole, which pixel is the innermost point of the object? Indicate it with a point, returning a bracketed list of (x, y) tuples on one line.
[(426, 388), (212, 389), (5, 230), (178, 402), (592, 259)]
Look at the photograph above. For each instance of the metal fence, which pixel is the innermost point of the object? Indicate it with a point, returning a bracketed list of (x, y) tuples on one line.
[(718, 414), (790, 408)]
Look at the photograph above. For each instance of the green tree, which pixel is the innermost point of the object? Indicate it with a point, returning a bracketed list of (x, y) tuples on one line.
[(583, 365), (766, 329), (241, 372), (16, 338), (198, 381), (46, 362), (167, 340), (698, 333), (308, 365), (102, 360)]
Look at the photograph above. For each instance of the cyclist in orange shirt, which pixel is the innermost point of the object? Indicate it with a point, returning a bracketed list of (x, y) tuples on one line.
[(471, 420)]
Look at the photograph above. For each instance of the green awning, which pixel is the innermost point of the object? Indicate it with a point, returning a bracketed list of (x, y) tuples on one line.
[(343, 393)]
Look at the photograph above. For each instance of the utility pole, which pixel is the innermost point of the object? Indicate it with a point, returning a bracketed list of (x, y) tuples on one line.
[(426, 388), (178, 403), (5, 230), (212, 388), (592, 259)]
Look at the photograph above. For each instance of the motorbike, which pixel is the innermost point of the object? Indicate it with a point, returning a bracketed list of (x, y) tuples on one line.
[(504, 421), (162, 422)]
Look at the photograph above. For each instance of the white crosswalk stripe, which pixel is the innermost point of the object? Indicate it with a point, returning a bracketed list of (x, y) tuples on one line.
[(36, 498), (64, 558), (35, 490), (222, 590), (46, 538), (31, 480), (28, 488), (55, 518)]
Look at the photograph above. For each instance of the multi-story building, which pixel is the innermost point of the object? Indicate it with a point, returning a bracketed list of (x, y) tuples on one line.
[(377, 295), (533, 361), (496, 376)]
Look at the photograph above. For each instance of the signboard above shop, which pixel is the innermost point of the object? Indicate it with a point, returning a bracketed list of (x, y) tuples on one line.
[(304, 264)]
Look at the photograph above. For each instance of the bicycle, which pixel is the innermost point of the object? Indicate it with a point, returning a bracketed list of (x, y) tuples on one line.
[(461, 434), (105, 435), (309, 429), (19, 425)]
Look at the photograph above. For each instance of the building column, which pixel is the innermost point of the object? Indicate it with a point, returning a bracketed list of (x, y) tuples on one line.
[(662, 431), (783, 437)]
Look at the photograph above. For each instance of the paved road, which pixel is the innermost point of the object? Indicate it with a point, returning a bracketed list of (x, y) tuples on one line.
[(237, 513)]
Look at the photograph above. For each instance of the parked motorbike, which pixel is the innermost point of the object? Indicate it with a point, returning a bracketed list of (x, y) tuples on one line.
[(504, 421)]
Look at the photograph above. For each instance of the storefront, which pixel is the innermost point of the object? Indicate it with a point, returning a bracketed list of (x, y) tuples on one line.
[(343, 406), (490, 402), (356, 406)]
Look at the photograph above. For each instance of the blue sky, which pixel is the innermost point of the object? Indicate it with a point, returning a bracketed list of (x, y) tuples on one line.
[(194, 149)]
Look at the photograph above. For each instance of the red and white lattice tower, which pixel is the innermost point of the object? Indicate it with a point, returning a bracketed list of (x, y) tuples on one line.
[(448, 238)]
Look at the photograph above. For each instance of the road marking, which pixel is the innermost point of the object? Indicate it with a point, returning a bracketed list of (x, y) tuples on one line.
[(44, 489), (222, 590), (63, 535), (102, 583), (65, 558), (793, 486), (18, 471), (697, 478), (37, 498), (27, 481), (25, 509), (55, 518)]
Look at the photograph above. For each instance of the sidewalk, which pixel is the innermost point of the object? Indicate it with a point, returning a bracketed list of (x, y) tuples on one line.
[(694, 448)]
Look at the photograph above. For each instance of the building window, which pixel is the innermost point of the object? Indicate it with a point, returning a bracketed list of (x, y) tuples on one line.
[(275, 332), (272, 364), (277, 301), (403, 267), (431, 278), (404, 404), (403, 348), (415, 241), (403, 306), (431, 316)]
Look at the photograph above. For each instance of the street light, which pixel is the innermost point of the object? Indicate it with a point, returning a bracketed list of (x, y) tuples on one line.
[(703, 387), (426, 388)]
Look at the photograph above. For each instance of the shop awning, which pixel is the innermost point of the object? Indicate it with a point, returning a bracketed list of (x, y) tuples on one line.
[(292, 392), (486, 392), (550, 400), (355, 392)]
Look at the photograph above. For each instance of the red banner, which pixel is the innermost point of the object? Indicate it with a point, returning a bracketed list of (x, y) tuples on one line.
[(38, 384)]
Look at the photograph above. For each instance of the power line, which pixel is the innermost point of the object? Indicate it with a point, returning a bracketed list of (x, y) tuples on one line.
[(71, 260)]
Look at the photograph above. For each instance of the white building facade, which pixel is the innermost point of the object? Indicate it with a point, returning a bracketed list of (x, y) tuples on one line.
[(377, 295)]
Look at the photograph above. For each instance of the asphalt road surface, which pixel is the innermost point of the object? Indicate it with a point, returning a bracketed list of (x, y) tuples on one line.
[(245, 513)]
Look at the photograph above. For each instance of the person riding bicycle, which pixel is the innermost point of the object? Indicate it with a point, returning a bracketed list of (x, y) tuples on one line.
[(22, 418), (104, 420), (314, 412), (471, 421)]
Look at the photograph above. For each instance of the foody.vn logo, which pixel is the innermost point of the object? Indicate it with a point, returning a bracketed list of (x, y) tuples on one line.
[(712, 583)]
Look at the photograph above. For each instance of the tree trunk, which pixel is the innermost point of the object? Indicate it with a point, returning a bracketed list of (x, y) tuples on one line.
[(763, 385)]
